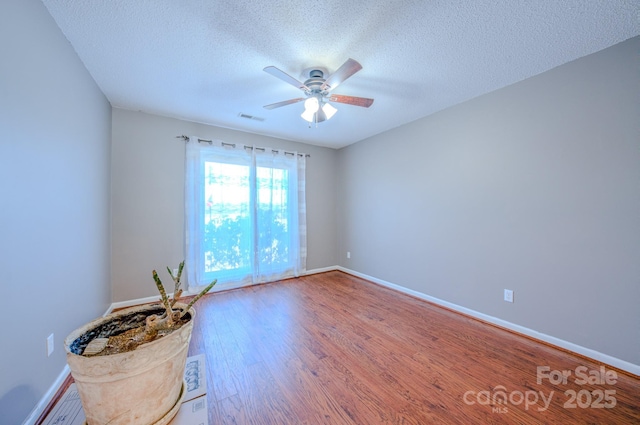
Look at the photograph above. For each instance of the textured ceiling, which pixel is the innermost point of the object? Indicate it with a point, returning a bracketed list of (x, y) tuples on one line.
[(202, 60)]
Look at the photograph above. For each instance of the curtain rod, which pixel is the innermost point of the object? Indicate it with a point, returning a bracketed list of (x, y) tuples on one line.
[(186, 139)]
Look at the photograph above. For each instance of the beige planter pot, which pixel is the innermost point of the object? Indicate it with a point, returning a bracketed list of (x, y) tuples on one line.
[(141, 387)]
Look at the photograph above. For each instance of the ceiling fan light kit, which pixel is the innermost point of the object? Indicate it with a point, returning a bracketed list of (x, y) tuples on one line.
[(329, 110), (317, 91), (316, 110)]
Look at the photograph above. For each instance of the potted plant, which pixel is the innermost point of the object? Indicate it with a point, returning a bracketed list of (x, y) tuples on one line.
[(128, 366)]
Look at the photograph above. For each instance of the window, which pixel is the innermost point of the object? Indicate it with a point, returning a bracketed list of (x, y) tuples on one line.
[(245, 215)]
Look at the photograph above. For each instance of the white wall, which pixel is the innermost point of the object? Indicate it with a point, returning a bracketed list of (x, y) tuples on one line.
[(148, 196), (535, 188), (54, 202)]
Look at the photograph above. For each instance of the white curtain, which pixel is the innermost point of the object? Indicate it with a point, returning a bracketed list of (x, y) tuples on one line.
[(245, 214)]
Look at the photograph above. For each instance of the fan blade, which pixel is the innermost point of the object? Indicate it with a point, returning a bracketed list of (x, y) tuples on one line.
[(285, 77), (351, 100), (347, 69), (284, 103)]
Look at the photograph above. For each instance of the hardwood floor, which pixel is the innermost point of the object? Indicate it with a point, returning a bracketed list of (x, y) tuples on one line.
[(334, 349), (331, 348)]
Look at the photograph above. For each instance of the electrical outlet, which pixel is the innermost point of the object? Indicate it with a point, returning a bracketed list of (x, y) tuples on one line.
[(348, 254), (49, 345), (508, 295)]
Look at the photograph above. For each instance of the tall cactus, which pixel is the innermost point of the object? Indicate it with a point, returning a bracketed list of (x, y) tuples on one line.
[(155, 325), (170, 317)]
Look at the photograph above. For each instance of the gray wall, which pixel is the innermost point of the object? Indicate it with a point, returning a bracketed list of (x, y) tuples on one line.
[(148, 196), (54, 202), (534, 187)]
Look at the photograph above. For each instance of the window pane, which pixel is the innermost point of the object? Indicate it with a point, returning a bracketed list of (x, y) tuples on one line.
[(273, 218), (227, 222)]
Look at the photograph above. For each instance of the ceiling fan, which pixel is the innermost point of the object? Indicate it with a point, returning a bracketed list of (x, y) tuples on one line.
[(317, 91)]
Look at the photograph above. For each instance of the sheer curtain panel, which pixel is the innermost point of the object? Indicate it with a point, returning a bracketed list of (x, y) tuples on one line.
[(245, 214)]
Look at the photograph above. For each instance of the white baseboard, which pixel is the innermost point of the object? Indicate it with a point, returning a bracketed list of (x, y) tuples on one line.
[(321, 270), (587, 352), (48, 397), (575, 348), (131, 303)]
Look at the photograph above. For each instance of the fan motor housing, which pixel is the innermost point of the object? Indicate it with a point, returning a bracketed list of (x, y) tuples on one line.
[(315, 81)]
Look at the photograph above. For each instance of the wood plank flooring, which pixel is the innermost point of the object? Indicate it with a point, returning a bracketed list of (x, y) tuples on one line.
[(334, 349)]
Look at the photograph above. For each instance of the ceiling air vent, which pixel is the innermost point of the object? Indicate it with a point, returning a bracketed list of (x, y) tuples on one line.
[(250, 117)]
